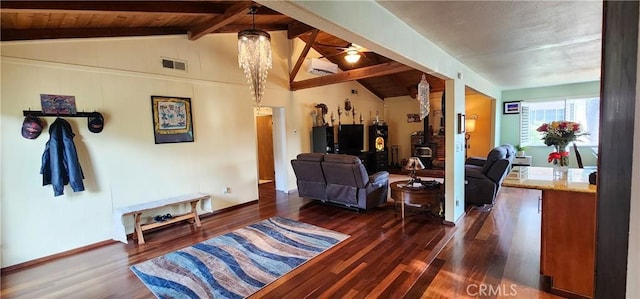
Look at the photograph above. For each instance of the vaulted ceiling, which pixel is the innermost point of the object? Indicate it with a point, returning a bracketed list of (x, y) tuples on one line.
[(36, 20)]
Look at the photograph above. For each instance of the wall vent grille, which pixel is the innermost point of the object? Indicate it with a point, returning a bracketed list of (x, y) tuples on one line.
[(175, 64)]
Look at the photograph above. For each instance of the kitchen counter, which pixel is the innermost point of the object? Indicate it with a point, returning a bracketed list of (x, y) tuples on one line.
[(541, 178), (568, 217)]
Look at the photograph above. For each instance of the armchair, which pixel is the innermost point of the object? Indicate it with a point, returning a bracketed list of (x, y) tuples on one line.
[(483, 176)]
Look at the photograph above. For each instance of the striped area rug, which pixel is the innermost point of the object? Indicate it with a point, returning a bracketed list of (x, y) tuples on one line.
[(236, 264)]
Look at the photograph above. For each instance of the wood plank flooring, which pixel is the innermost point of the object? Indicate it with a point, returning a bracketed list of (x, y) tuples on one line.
[(488, 254)]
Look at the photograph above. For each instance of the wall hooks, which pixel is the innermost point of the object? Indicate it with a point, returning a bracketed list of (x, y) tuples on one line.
[(95, 119)]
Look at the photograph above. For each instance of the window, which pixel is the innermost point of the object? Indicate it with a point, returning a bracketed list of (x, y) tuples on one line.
[(584, 111)]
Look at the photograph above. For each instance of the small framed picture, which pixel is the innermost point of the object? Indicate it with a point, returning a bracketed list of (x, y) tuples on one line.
[(461, 122), (58, 104), (413, 117), (171, 119), (511, 107)]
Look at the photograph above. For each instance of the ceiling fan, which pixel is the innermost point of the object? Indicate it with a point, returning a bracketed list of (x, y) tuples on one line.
[(352, 50)]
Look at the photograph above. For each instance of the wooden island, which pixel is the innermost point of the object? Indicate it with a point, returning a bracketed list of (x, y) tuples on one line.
[(568, 241)]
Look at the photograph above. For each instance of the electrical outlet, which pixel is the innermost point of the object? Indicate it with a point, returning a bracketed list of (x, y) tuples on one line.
[(457, 202), (227, 190)]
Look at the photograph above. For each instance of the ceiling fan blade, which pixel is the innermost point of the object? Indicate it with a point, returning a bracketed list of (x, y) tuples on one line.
[(331, 55), (333, 46)]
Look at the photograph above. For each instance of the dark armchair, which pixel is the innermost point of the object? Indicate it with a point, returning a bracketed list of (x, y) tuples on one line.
[(483, 176)]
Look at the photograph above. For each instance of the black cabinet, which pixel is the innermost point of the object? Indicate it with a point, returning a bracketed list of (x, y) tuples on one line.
[(378, 147), (323, 140), (351, 139)]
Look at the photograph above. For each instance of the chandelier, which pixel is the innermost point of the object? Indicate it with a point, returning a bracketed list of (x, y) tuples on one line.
[(423, 97), (254, 57)]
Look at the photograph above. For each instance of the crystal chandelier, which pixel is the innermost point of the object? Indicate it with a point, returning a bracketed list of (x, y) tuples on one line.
[(423, 96), (254, 57)]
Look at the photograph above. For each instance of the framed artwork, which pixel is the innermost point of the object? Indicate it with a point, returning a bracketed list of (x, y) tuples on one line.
[(171, 119), (413, 117), (58, 104), (461, 122), (511, 107)]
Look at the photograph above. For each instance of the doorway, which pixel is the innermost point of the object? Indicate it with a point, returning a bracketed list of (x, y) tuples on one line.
[(266, 161), (271, 155)]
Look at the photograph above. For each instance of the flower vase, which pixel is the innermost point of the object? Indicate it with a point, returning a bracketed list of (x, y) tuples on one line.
[(560, 159)]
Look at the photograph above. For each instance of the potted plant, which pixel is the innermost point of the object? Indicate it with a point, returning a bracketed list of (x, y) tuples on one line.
[(520, 150)]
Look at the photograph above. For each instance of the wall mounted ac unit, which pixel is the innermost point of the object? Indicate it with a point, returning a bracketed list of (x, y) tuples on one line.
[(321, 67)]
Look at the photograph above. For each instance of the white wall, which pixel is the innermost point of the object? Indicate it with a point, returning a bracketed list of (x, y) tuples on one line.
[(122, 165)]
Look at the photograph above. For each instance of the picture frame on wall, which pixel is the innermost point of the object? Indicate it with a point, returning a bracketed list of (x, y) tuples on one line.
[(513, 107), (461, 123), (58, 104), (172, 120), (413, 118)]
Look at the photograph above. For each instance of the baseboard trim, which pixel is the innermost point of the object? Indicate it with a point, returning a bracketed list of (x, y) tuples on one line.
[(52, 257), (56, 256)]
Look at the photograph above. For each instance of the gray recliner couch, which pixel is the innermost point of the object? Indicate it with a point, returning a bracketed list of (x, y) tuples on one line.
[(339, 179), (483, 176)]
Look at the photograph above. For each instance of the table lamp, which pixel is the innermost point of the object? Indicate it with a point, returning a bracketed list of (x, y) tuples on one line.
[(412, 165)]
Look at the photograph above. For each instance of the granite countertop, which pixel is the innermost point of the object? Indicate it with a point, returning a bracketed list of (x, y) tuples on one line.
[(542, 178)]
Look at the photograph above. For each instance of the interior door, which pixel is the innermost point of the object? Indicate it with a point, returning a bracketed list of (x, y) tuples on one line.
[(266, 170)]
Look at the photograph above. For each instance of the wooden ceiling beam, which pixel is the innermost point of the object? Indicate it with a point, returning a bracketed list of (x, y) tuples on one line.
[(237, 28), (30, 34), (303, 54), (297, 28), (352, 75), (111, 7), (234, 12)]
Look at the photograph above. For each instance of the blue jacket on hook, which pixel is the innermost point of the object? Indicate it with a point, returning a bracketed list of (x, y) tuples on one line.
[(60, 164)]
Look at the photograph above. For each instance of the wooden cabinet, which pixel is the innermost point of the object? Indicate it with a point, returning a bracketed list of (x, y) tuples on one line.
[(350, 139), (323, 140), (378, 140), (567, 253), (568, 232)]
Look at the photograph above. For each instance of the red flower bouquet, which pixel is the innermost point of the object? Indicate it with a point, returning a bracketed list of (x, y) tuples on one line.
[(559, 134)]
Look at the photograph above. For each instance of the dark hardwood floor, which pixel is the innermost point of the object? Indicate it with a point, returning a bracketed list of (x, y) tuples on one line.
[(488, 254)]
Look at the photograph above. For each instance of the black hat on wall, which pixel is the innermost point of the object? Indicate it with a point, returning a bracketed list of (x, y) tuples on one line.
[(31, 127), (96, 122)]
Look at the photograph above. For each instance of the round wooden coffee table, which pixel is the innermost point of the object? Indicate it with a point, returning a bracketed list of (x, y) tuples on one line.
[(431, 199)]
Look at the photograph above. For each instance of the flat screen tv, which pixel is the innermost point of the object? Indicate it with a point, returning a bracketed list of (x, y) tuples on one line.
[(351, 139)]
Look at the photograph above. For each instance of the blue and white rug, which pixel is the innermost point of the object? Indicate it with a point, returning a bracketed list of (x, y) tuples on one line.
[(236, 264)]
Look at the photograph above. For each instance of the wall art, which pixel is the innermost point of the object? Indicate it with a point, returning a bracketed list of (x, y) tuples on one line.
[(171, 119)]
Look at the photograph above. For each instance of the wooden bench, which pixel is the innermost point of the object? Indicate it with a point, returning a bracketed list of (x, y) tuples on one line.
[(137, 210)]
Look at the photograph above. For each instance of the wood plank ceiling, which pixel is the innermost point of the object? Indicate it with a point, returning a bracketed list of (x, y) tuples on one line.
[(36, 20)]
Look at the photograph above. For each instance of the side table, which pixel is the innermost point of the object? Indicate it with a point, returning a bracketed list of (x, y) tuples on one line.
[(426, 197)]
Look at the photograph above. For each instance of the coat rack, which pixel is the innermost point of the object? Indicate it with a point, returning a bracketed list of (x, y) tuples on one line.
[(40, 113), (95, 120)]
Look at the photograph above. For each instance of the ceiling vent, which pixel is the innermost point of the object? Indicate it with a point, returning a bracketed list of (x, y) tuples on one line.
[(321, 67), (175, 64)]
